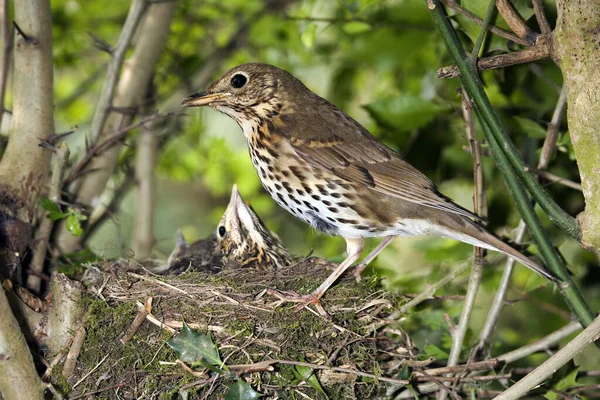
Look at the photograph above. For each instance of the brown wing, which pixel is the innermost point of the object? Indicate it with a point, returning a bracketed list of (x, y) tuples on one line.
[(339, 144)]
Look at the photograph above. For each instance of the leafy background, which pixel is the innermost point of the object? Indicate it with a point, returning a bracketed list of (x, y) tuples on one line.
[(377, 60)]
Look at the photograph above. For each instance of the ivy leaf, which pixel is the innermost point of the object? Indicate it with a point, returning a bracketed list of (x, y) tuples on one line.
[(74, 225), (356, 27), (196, 349), (307, 374), (241, 391), (404, 112)]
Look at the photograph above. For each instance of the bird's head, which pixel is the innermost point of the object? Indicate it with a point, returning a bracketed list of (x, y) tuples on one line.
[(247, 91), (244, 240)]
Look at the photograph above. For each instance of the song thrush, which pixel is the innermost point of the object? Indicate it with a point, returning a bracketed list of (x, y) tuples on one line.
[(241, 240), (328, 170)]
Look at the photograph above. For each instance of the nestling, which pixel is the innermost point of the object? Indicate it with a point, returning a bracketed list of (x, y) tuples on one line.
[(326, 169)]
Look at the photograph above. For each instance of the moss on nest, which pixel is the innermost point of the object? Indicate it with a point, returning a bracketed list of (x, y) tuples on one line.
[(247, 324)]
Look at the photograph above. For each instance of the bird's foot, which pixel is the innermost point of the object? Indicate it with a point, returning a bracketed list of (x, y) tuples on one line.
[(304, 300), (358, 270)]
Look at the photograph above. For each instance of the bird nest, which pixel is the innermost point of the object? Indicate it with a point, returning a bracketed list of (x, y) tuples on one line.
[(261, 340)]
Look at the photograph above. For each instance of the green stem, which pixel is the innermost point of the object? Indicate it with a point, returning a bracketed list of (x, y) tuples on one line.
[(512, 168), (474, 87), (489, 14)]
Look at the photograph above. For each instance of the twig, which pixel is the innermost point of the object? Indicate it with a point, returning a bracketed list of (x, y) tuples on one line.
[(5, 58), (139, 319), (476, 366), (494, 29), (265, 365), (460, 331), (564, 355), (158, 282), (547, 150), (515, 21), (479, 378), (429, 291), (487, 21), (61, 158), (540, 15), (137, 9), (145, 162), (73, 355), (538, 52), (83, 378), (542, 344), (108, 142), (557, 179)]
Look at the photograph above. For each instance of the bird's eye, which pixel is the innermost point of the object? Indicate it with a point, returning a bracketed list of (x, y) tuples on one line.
[(222, 231), (238, 81)]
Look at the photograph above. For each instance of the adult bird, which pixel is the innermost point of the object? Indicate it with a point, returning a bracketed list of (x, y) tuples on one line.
[(326, 169)]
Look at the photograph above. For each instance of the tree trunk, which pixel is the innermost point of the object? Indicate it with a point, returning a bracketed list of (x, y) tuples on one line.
[(24, 166), (576, 50), (137, 72)]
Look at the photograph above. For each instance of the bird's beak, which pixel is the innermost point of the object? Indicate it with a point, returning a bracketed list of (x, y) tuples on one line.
[(235, 196), (203, 99)]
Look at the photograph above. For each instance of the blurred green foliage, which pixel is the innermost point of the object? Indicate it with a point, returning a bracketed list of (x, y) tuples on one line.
[(377, 60)]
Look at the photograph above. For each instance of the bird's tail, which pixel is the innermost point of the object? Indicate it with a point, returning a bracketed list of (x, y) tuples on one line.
[(477, 235)]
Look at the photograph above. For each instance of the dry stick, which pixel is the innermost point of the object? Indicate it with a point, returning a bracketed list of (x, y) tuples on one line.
[(538, 52), (61, 157), (540, 15), (515, 22), (138, 320), (557, 179), (71, 361), (145, 164), (114, 67), (564, 355), (494, 29), (5, 57), (460, 331), (542, 344), (545, 156)]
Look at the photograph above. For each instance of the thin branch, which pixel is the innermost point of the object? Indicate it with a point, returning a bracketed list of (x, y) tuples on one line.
[(515, 21), (107, 143), (557, 179), (73, 354), (542, 344), (61, 158), (6, 39), (538, 52), (494, 29), (145, 163), (136, 11), (540, 15), (487, 21), (547, 150), (512, 167), (550, 366), (479, 202)]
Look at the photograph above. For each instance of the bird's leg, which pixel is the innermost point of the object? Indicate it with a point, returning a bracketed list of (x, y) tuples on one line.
[(371, 256), (354, 248)]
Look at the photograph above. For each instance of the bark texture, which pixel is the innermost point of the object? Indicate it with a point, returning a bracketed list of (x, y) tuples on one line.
[(137, 72), (577, 51), (24, 166)]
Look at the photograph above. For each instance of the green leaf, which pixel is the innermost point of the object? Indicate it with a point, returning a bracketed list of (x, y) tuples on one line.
[(434, 351), (568, 382), (309, 36), (56, 216), (404, 112), (530, 128), (195, 348), (74, 225), (50, 206), (241, 391), (356, 27), (304, 373)]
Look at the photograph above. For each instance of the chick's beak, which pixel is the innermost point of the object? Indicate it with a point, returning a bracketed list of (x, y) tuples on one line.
[(203, 99)]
